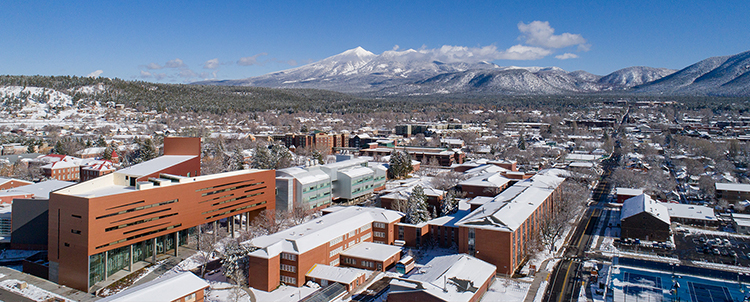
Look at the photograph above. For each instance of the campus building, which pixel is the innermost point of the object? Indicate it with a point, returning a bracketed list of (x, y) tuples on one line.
[(644, 218), (452, 278), (101, 226), (345, 236), (444, 157), (499, 230), (316, 186)]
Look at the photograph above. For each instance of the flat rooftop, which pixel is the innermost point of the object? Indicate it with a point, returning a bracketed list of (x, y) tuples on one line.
[(155, 165), (372, 251)]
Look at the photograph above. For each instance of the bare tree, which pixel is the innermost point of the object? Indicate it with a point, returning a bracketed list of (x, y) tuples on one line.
[(569, 204), (447, 180)]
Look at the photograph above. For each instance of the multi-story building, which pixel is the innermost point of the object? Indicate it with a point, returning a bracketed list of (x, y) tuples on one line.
[(309, 187), (732, 192), (286, 256), (317, 186), (500, 230), (101, 226), (444, 157)]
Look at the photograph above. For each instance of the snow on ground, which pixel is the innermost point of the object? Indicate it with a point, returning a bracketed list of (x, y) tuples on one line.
[(188, 264), (693, 230), (30, 291), (507, 290), (641, 255), (56, 98), (723, 267)]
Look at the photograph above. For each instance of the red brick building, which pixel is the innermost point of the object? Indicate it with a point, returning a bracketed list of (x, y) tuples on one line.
[(286, 256), (454, 278), (499, 230)]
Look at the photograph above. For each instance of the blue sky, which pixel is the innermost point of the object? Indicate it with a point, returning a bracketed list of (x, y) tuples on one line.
[(238, 39)]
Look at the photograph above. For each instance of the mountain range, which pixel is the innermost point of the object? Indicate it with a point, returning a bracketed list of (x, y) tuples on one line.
[(411, 72)]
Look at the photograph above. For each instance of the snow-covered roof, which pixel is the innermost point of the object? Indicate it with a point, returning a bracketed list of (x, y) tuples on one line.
[(582, 157), (403, 193), (494, 180), (732, 187), (4, 180), (39, 190), (509, 209), (644, 203), (690, 211), (628, 191), (372, 251), (309, 235), (741, 219), (357, 172), (155, 165), (449, 278), (345, 275), (162, 289), (304, 176)]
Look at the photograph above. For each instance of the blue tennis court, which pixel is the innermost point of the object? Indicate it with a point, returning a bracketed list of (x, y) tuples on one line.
[(636, 284)]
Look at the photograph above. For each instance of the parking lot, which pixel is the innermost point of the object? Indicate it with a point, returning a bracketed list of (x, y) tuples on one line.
[(713, 248)]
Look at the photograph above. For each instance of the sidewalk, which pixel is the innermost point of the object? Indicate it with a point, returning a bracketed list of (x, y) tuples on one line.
[(538, 278)]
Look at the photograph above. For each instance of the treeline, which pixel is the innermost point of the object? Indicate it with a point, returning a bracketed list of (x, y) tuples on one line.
[(240, 99)]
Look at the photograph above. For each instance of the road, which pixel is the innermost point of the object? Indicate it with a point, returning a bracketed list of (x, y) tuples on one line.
[(566, 278)]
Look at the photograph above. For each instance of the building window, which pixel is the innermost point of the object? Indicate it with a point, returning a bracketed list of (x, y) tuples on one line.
[(365, 227), (287, 256), (380, 234), (335, 262), (78, 232), (288, 268), (350, 261), (289, 280), (380, 225), (335, 241), (190, 297), (366, 236), (400, 232), (472, 235), (336, 251)]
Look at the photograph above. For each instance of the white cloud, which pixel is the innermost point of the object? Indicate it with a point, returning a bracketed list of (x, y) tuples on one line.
[(146, 74), (211, 64), (187, 74), (453, 54), (95, 74), (252, 60), (153, 65), (539, 33), (566, 56), (176, 63)]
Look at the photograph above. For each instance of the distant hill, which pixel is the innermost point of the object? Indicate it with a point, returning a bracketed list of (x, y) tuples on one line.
[(720, 76), (409, 73)]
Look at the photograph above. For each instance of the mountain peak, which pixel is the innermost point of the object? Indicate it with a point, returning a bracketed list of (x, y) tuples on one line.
[(357, 52)]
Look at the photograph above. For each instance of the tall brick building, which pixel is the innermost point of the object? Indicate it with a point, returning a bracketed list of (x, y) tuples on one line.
[(101, 226)]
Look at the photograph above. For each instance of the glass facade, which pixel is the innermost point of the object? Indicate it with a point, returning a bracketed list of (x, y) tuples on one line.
[(119, 258)]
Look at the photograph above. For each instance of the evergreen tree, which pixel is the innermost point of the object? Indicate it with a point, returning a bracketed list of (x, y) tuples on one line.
[(100, 142), (521, 143), (417, 206), (274, 157), (400, 164), (449, 204)]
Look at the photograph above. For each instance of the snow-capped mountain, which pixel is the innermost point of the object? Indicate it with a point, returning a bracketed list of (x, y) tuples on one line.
[(634, 76), (720, 76), (415, 72), (358, 70)]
